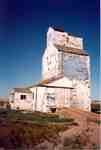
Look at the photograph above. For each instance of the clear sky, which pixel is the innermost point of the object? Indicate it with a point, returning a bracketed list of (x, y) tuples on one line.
[(23, 27)]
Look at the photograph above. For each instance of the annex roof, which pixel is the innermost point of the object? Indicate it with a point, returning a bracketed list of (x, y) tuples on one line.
[(22, 90), (44, 83)]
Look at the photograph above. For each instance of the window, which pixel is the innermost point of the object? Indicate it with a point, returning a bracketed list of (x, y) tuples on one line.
[(51, 97), (23, 97)]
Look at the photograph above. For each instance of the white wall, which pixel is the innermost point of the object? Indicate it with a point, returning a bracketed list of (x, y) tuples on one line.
[(43, 103), (39, 103), (51, 63), (79, 97), (25, 104), (63, 39), (82, 99), (62, 82)]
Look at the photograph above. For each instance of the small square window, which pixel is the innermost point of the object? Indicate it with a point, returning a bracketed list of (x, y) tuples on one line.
[(23, 97)]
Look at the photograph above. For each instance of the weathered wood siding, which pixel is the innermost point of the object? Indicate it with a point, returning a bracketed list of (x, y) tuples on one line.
[(75, 68), (39, 101), (52, 63), (63, 39), (18, 103), (46, 98)]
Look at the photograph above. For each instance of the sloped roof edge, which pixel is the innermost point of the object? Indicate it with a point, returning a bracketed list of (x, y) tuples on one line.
[(71, 50), (46, 81), (21, 90)]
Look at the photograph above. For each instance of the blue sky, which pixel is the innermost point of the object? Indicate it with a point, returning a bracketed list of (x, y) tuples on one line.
[(23, 27)]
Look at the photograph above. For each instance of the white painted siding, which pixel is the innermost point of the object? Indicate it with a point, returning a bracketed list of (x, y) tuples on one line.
[(22, 104), (51, 97), (62, 82), (63, 39), (39, 98), (52, 63)]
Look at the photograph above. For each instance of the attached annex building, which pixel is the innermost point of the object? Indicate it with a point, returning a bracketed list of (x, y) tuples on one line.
[(65, 77)]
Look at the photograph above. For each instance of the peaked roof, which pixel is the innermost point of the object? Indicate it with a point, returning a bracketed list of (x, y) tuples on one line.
[(71, 50)]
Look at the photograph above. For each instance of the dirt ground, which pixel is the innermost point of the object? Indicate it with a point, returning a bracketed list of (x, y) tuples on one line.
[(88, 131), (84, 134)]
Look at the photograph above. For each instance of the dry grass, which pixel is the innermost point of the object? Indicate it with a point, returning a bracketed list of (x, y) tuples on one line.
[(25, 130), (42, 131)]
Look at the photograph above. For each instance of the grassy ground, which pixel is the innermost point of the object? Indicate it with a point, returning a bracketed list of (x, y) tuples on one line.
[(25, 130), (44, 131), (35, 117)]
